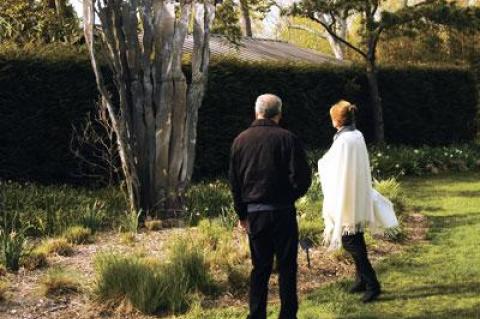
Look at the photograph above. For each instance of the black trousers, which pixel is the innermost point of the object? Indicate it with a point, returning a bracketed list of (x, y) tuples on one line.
[(273, 233), (355, 245)]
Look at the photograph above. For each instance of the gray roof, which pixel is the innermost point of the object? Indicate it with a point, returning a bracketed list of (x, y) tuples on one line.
[(256, 49)]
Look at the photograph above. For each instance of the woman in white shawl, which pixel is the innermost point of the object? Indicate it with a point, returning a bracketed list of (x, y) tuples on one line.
[(347, 188)]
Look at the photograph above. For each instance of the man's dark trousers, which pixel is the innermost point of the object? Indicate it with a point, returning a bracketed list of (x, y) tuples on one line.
[(273, 233), (355, 245)]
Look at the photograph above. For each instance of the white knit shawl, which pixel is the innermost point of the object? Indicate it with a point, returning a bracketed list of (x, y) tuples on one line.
[(347, 188)]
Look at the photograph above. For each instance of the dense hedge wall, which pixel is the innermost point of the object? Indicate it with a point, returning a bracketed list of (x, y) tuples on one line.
[(41, 98), (431, 106)]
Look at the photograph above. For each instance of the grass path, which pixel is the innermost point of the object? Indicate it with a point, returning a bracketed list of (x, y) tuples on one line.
[(440, 279)]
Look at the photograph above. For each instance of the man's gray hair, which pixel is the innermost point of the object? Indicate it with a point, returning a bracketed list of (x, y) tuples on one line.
[(268, 105)]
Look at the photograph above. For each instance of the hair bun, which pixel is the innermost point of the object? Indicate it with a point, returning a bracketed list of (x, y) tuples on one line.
[(352, 108)]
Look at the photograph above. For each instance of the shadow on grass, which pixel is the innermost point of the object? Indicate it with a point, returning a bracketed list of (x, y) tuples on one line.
[(452, 221), (420, 292), (468, 313)]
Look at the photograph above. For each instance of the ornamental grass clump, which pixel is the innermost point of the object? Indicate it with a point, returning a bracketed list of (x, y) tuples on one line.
[(208, 200), (35, 259), (151, 286), (78, 235), (59, 281), (59, 246), (391, 189)]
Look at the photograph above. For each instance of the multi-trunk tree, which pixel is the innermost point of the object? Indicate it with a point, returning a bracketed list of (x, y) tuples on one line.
[(374, 22), (152, 105)]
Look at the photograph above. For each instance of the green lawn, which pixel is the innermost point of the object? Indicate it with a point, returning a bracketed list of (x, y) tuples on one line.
[(440, 279)]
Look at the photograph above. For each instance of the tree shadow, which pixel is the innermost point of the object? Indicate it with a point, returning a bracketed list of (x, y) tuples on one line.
[(452, 221), (471, 194), (472, 312), (409, 293)]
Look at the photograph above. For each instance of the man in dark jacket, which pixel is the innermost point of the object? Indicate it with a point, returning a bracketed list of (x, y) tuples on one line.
[(268, 173)]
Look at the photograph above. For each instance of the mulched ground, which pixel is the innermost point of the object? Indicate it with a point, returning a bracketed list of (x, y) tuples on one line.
[(24, 300)]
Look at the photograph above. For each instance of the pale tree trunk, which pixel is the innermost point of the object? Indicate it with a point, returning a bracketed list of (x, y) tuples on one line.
[(156, 114), (341, 29), (246, 19)]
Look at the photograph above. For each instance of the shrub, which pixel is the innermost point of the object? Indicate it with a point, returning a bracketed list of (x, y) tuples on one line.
[(13, 240), (153, 225), (128, 238), (129, 222), (397, 161), (51, 209), (311, 230), (238, 277), (94, 216), (153, 286), (212, 233), (391, 189), (3, 289), (209, 199), (59, 281), (34, 260), (3, 270), (78, 235), (59, 246)]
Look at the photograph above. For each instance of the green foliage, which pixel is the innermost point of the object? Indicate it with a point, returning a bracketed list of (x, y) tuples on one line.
[(226, 22), (94, 216), (12, 238), (422, 105), (212, 233), (153, 286), (59, 246), (24, 21), (78, 235), (303, 38), (35, 259), (391, 189), (311, 230), (397, 161), (210, 199), (129, 222), (153, 225), (3, 289), (59, 281), (52, 209)]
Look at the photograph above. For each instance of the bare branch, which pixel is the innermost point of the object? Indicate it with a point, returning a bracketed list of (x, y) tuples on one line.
[(307, 29), (336, 36)]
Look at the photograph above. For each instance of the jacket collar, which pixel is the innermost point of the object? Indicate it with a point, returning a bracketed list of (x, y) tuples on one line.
[(263, 122), (344, 129)]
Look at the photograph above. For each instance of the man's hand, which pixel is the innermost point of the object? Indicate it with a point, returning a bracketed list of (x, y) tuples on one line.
[(244, 225)]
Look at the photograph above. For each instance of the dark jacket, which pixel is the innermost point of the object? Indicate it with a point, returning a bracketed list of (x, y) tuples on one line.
[(267, 166)]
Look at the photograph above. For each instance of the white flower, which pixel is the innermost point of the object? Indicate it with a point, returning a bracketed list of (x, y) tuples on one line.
[(416, 151), (397, 166), (379, 154)]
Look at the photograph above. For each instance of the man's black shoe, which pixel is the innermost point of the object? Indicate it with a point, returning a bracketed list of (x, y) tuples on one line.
[(358, 287), (371, 295)]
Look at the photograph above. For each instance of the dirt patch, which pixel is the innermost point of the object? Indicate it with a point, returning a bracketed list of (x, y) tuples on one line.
[(24, 300)]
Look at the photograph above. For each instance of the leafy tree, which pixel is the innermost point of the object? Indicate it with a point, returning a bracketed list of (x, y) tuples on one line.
[(374, 22), (227, 22), (23, 21)]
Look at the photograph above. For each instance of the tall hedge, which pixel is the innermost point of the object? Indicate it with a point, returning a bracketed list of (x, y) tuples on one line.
[(42, 97), (431, 106)]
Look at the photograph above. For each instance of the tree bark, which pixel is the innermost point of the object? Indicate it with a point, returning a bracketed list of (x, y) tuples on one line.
[(156, 114), (246, 18), (377, 109)]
